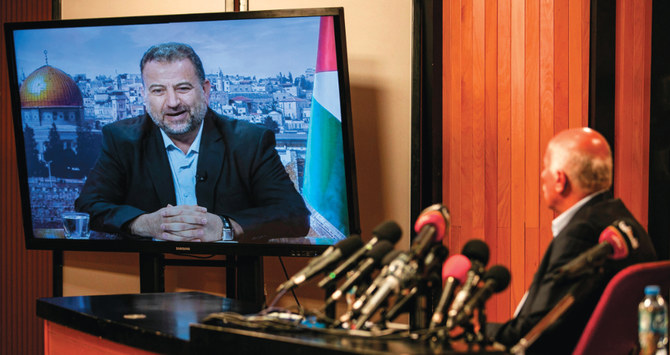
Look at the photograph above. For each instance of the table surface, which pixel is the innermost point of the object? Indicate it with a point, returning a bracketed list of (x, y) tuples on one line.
[(173, 323), (209, 339), (156, 322)]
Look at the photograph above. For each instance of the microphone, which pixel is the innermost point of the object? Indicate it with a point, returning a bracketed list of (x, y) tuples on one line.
[(434, 259), (431, 226), (615, 242), (386, 261), (201, 176), (454, 272), (365, 267), (389, 231), (478, 253), (400, 271), (495, 280), (360, 301), (333, 254)]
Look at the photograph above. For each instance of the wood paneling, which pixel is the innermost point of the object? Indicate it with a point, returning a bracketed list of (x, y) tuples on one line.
[(24, 275), (516, 72), (631, 107)]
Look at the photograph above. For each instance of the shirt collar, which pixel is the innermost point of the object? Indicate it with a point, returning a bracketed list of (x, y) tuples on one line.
[(195, 146), (559, 223)]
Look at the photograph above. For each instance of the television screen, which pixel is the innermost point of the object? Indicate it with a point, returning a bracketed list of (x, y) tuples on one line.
[(235, 130)]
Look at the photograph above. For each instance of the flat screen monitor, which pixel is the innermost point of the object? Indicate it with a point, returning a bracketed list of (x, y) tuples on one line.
[(262, 136)]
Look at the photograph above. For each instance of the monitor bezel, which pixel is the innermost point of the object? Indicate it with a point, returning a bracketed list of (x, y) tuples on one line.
[(260, 249)]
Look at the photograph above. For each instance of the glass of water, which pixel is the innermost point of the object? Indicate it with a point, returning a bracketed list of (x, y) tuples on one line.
[(75, 225)]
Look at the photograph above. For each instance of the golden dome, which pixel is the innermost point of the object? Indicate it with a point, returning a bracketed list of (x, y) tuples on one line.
[(50, 87)]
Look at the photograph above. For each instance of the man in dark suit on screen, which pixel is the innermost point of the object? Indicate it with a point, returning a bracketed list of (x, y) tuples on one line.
[(181, 172), (576, 178)]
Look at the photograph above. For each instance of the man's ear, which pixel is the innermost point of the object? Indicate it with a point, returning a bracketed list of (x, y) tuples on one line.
[(562, 182), (207, 88), (143, 91)]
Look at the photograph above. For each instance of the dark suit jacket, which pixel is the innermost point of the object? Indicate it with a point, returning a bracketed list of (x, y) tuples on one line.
[(581, 233), (244, 178)]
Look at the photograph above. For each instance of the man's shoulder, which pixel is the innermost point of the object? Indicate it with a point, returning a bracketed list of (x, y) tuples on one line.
[(593, 218), (605, 211), (130, 128), (235, 129)]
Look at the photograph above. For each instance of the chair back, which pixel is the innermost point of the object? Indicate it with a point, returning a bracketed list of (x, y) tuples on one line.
[(612, 328)]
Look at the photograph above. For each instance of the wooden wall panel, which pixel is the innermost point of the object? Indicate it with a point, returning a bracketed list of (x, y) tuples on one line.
[(501, 108), (24, 275), (631, 108), (532, 81)]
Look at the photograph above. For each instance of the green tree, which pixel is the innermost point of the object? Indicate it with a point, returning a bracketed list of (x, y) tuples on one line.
[(270, 124), (62, 159), (54, 146), (88, 148), (34, 166)]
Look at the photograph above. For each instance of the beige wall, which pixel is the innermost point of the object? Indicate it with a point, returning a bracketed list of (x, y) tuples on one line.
[(379, 47)]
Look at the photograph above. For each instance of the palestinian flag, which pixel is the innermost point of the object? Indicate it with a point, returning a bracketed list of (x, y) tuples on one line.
[(325, 186)]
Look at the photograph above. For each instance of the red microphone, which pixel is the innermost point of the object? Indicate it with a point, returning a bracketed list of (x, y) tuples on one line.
[(615, 242), (454, 273), (431, 226)]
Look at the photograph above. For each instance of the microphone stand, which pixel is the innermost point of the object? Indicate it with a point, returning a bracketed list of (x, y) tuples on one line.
[(481, 335), (476, 337)]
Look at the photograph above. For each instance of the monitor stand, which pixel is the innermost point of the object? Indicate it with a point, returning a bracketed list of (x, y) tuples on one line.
[(244, 274)]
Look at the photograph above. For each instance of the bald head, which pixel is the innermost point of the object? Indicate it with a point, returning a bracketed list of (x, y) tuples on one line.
[(585, 157)]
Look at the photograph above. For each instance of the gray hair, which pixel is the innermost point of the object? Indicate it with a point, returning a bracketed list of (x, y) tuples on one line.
[(591, 173), (171, 52)]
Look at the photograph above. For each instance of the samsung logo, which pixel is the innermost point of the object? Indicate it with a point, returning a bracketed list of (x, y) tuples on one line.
[(183, 248)]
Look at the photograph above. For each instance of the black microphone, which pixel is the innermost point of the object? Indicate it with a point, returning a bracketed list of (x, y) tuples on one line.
[(478, 253), (454, 273), (386, 261), (433, 260), (201, 176), (401, 274), (495, 280), (389, 231), (615, 242), (333, 254), (431, 226), (400, 271), (365, 267), (363, 296)]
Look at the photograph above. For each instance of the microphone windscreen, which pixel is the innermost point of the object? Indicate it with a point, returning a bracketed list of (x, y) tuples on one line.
[(614, 236), (500, 275), (456, 266), (390, 257), (380, 250), (349, 245), (436, 215), (388, 230), (440, 252), (476, 250)]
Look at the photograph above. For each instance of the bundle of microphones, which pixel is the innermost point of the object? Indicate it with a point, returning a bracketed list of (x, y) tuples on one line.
[(380, 283)]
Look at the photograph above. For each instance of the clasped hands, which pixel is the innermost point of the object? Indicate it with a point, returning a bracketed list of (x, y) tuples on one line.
[(183, 223)]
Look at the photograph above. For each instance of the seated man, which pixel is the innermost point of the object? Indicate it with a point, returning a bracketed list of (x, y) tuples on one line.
[(181, 172), (576, 177)]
